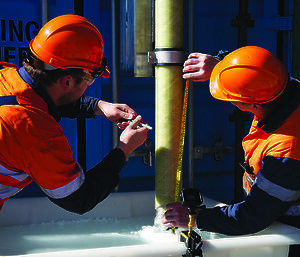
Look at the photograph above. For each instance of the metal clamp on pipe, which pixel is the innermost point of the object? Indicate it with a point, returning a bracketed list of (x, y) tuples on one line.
[(167, 56)]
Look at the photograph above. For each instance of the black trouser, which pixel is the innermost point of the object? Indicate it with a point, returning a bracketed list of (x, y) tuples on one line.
[(294, 221)]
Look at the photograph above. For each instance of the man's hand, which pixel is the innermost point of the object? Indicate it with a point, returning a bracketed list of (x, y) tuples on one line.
[(133, 136), (120, 113), (198, 67), (176, 215)]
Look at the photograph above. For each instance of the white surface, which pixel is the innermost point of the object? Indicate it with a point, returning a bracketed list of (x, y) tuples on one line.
[(125, 220), (22, 211), (165, 250)]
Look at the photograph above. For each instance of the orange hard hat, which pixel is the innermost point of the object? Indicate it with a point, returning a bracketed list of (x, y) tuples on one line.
[(71, 41), (249, 74)]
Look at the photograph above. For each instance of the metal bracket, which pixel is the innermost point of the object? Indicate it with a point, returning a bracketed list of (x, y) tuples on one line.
[(146, 153), (166, 57), (218, 149)]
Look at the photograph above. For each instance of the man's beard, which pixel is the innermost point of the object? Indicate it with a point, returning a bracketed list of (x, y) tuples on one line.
[(66, 99)]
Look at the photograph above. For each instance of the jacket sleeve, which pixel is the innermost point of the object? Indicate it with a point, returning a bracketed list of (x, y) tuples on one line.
[(276, 189), (84, 107), (99, 182)]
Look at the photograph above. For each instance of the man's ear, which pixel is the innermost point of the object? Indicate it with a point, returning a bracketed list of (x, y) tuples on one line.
[(66, 82)]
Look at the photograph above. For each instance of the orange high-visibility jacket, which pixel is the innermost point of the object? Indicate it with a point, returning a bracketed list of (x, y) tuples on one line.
[(33, 145), (272, 154), (268, 147)]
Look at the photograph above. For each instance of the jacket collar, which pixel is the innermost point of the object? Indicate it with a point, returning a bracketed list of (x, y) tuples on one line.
[(53, 110), (279, 115)]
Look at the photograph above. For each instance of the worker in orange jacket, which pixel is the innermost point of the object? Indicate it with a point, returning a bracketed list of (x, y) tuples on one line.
[(63, 59), (254, 80)]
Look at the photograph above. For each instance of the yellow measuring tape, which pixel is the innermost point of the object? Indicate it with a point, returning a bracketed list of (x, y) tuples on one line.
[(181, 145), (181, 142)]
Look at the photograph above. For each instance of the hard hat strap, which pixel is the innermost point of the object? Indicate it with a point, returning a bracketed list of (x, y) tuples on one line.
[(29, 57), (99, 73)]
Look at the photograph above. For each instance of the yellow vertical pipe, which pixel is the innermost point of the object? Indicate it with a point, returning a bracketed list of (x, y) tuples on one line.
[(168, 100)]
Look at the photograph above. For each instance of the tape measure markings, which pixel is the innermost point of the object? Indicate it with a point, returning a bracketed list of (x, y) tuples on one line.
[(181, 142)]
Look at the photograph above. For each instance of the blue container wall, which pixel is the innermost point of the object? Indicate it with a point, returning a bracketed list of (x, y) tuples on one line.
[(212, 32)]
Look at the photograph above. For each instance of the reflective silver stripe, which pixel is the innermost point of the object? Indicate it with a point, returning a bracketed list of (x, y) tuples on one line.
[(274, 190), (293, 211), (8, 191), (20, 176), (250, 180), (67, 189)]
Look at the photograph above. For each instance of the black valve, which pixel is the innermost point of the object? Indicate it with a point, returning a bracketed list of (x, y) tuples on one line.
[(191, 198)]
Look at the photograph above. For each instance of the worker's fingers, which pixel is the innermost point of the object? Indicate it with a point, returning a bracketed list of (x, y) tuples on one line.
[(172, 206), (135, 123), (128, 115)]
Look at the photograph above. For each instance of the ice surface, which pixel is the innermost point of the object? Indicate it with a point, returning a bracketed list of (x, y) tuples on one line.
[(82, 234)]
